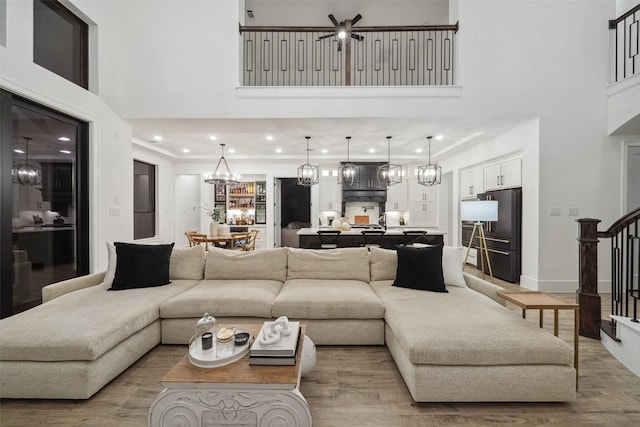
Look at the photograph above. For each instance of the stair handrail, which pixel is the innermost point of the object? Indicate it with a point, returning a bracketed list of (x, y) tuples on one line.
[(587, 293)]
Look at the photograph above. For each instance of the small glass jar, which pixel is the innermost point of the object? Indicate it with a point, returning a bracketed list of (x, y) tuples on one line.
[(224, 343)]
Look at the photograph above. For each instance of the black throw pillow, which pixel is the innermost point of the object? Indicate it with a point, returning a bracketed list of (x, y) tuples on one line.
[(141, 266), (420, 268)]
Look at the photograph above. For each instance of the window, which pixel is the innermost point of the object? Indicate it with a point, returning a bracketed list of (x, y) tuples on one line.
[(60, 41), (144, 200)]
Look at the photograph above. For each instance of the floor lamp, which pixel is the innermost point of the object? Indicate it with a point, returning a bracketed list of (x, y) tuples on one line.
[(478, 211)]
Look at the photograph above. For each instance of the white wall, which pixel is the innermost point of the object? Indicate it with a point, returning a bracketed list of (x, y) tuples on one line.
[(516, 59)]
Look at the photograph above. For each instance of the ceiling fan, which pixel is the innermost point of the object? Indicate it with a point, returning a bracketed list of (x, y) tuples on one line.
[(343, 29)]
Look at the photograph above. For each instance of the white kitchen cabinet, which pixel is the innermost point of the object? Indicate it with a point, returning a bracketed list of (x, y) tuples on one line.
[(330, 194), (505, 174), (397, 196), (421, 193), (423, 214), (472, 183)]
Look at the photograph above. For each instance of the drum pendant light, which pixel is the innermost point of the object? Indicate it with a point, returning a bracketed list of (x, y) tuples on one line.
[(308, 174), (27, 174), (389, 173), (348, 171), (431, 173)]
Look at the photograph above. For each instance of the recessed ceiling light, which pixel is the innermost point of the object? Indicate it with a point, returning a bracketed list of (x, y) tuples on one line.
[(231, 150), (157, 138), (418, 150), (325, 151), (438, 137), (64, 138), (278, 150), (269, 138), (372, 150), (213, 137), (18, 151), (185, 150), (65, 151)]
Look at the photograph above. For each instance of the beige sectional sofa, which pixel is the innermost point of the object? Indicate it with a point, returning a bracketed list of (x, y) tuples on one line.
[(456, 346)]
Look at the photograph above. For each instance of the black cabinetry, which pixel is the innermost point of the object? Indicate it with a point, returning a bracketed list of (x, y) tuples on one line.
[(366, 178), (57, 186)]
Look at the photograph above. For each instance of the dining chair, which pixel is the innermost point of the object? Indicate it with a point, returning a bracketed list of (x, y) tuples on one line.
[(188, 233), (239, 241), (251, 241), (198, 239), (329, 239)]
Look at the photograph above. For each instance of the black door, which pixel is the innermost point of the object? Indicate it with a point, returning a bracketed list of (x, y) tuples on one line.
[(45, 210)]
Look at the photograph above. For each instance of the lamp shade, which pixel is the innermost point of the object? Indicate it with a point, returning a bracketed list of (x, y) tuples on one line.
[(479, 210)]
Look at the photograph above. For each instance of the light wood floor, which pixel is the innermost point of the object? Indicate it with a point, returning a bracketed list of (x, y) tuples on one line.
[(360, 386)]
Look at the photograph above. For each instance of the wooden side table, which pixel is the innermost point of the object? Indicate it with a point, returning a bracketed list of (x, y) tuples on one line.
[(540, 301)]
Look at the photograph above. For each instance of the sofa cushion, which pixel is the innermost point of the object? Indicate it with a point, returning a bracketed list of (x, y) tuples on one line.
[(187, 263), (327, 299), (261, 264), (141, 266), (84, 324), (464, 327), (333, 264), (420, 268), (233, 298), (384, 264)]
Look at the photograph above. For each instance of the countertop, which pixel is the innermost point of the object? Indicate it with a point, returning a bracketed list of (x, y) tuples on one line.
[(358, 231)]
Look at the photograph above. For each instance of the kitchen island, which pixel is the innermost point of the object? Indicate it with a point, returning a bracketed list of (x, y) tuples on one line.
[(308, 237)]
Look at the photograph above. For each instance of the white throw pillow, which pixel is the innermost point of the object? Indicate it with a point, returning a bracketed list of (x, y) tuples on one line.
[(452, 266), (111, 266)]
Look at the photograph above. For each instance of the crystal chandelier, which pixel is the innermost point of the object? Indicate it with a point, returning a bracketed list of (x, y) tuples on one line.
[(348, 171), (389, 173), (222, 176), (27, 174), (431, 173), (308, 174)]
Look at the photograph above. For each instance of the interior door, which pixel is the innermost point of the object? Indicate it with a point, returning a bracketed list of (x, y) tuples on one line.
[(188, 212)]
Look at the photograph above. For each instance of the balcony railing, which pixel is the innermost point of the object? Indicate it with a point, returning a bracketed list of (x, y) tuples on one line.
[(386, 56), (627, 42)]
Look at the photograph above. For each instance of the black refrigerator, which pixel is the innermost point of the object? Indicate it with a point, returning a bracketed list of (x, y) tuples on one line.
[(504, 236)]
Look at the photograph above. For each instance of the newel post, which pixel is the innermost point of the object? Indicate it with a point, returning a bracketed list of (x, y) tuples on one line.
[(587, 293)]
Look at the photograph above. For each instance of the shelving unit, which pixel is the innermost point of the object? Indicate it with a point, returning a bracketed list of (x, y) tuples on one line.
[(241, 201)]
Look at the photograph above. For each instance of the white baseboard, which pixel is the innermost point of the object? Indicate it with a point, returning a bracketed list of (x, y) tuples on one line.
[(604, 286)]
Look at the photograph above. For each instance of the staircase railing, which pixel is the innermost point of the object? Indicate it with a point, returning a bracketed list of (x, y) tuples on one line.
[(421, 55), (625, 269), (627, 43)]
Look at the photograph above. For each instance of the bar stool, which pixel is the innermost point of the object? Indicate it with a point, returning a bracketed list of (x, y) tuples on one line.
[(413, 236), (328, 238), (372, 238)]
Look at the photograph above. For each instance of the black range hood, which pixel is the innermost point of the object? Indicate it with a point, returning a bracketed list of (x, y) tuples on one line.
[(375, 196)]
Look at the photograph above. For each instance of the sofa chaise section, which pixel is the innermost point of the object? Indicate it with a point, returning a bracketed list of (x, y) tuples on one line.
[(463, 346), (72, 345)]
